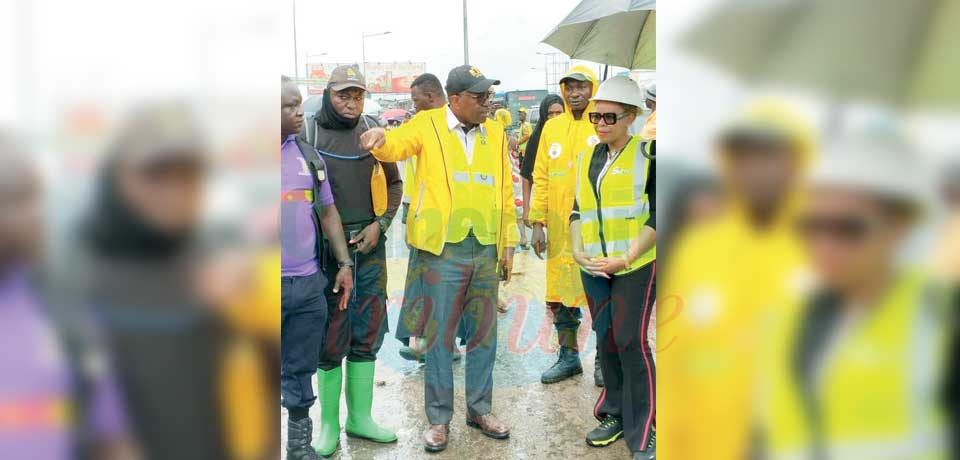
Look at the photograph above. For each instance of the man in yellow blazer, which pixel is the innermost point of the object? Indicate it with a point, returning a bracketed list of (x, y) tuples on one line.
[(564, 139), (463, 230)]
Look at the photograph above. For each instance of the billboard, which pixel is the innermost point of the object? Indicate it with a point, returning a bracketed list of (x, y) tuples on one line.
[(382, 77)]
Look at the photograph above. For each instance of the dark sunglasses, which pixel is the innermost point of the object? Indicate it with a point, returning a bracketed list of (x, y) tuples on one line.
[(609, 118), (481, 98), (849, 229)]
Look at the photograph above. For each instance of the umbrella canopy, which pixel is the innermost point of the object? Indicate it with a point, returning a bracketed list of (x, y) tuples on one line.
[(888, 51), (393, 114), (622, 33)]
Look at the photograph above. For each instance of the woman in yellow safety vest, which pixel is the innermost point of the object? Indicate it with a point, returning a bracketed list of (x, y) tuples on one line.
[(613, 236), (853, 373)]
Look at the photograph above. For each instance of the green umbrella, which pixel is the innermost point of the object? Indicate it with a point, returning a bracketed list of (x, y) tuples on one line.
[(895, 52), (621, 33)]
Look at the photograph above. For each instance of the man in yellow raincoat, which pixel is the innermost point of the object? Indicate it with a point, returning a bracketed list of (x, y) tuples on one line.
[(564, 139), (723, 277)]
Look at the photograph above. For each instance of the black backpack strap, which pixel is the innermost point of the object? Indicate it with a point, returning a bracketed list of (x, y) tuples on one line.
[(318, 171)]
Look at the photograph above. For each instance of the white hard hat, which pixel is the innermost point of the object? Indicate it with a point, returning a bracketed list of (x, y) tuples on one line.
[(620, 89), (651, 92), (884, 168)]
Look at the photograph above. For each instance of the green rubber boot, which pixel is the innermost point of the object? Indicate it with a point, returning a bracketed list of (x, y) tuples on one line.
[(359, 402), (329, 384)]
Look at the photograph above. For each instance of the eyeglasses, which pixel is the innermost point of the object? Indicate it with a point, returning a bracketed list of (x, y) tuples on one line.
[(848, 229), (609, 118), (480, 98)]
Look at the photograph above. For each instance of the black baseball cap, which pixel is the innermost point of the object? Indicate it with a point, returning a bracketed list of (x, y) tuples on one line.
[(468, 78)]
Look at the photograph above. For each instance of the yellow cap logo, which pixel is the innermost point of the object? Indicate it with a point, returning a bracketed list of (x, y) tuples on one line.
[(475, 72)]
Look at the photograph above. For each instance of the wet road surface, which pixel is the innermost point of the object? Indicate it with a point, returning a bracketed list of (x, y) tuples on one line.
[(546, 421)]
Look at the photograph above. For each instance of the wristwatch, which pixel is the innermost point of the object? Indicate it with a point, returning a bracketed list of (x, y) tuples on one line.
[(348, 263), (383, 225)]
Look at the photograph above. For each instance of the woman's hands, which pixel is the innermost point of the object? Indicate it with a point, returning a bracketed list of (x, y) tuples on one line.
[(600, 266)]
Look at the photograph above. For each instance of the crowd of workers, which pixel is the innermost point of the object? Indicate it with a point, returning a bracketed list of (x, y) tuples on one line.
[(464, 211)]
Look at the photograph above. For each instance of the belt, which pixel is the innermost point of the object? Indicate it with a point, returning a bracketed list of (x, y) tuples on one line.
[(297, 195)]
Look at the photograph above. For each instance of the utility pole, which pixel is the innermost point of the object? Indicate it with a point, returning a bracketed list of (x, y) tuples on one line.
[(296, 64), (363, 49), (466, 50)]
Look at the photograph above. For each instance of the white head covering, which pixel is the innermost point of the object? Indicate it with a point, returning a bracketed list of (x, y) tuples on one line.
[(877, 165), (620, 89)]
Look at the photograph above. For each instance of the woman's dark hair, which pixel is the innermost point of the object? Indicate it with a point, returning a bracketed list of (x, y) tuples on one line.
[(526, 168)]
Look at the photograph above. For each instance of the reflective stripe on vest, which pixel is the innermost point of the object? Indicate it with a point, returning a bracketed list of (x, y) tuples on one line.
[(624, 207)]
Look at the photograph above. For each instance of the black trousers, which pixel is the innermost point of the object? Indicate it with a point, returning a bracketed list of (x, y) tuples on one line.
[(357, 332), (303, 320), (626, 360), (567, 322)]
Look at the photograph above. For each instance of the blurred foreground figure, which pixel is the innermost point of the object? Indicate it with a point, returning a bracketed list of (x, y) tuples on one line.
[(946, 269), (722, 277), (139, 263), (853, 373), (58, 398), (946, 258)]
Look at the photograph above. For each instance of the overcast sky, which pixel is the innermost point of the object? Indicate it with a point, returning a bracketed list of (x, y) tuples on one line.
[(504, 34)]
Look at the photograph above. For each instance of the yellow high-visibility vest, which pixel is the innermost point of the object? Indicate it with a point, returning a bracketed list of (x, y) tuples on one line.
[(475, 189), (876, 389), (613, 216), (432, 203)]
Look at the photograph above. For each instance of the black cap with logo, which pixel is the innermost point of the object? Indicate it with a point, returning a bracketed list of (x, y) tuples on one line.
[(468, 78)]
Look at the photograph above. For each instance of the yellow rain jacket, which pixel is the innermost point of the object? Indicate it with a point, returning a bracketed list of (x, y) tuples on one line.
[(504, 117), (563, 140), (720, 282), (438, 152)]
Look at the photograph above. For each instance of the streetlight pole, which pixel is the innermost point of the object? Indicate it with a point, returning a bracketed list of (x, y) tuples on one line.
[(546, 74), (363, 50), (546, 81), (466, 49), (296, 65)]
